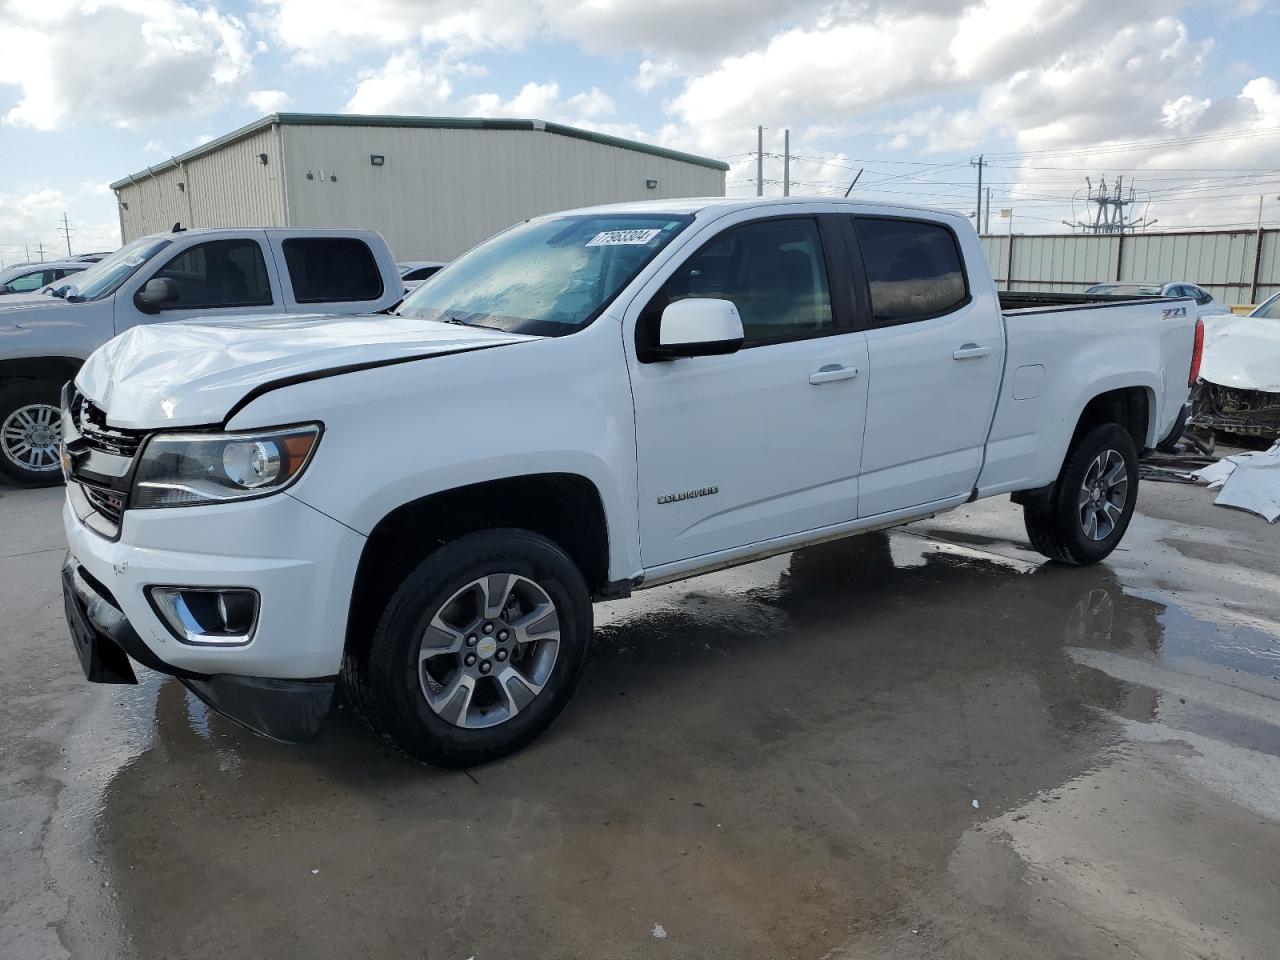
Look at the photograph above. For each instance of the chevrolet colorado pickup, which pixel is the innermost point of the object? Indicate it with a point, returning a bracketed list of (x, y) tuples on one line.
[(205, 272), (425, 504)]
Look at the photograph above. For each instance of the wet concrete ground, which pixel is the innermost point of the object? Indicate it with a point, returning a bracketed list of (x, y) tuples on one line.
[(921, 744)]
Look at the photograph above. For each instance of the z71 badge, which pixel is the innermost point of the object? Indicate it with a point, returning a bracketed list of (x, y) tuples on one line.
[(688, 495), (1172, 313)]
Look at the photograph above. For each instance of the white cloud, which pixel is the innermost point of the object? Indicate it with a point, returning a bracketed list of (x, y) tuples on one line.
[(324, 31), (652, 74), (542, 101), (34, 215), (404, 84), (120, 62), (268, 101), (407, 84)]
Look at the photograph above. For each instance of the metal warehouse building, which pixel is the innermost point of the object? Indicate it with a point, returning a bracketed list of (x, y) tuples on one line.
[(432, 186)]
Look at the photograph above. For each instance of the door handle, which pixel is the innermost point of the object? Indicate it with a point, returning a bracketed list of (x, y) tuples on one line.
[(970, 351), (831, 373)]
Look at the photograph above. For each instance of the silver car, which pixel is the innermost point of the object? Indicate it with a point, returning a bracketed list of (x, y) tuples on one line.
[(30, 277)]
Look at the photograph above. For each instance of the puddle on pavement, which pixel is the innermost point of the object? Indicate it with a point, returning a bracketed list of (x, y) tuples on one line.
[(768, 761)]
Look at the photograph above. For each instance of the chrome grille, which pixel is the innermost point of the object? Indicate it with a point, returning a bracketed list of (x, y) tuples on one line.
[(100, 463), (107, 502), (92, 424)]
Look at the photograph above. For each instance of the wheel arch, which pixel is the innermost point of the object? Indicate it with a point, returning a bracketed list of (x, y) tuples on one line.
[(1132, 407), (56, 369), (565, 508)]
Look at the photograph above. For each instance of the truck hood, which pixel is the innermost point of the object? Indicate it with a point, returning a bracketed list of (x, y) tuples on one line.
[(14, 306), (193, 372), (1242, 352)]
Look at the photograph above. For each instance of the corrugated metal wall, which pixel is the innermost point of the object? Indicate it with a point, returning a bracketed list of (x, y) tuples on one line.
[(1224, 263), (441, 191), (228, 187)]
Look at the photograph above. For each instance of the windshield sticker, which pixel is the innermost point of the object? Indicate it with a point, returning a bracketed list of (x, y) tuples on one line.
[(134, 260), (622, 238)]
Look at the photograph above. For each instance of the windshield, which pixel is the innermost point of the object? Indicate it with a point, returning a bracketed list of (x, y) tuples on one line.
[(545, 277), (1269, 309), (1126, 290), (103, 277)]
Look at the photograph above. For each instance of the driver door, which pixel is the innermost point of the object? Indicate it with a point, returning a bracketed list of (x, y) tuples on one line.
[(215, 278), (745, 448)]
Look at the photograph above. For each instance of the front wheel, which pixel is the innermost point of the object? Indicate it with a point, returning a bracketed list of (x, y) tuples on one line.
[(30, 431), (1088, 509), (478, 650)]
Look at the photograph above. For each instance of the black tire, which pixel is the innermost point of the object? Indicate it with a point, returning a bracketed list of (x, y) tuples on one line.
[(1054, 523), (384, 682), (15, 395)]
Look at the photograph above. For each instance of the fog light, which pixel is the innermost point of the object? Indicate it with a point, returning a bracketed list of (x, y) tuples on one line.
[(206, 615)]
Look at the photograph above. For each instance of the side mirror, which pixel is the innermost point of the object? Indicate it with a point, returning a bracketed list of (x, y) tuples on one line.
[(698, 328), (157, 292)]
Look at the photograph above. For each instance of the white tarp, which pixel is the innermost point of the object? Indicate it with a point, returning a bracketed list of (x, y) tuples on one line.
[(1242, 352), (1249, 481)]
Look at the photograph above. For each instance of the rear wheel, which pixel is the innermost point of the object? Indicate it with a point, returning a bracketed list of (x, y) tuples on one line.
[(478, 650), (30, 432), (1087, 512)]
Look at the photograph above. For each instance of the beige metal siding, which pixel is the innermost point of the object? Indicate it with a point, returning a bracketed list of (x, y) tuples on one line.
[(228, 187), (443, 190), (1221, 262)]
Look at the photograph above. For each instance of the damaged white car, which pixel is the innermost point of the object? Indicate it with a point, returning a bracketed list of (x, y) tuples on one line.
[(1239, 388)]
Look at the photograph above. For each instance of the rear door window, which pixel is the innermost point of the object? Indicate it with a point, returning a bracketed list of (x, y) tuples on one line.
[(219, 273), (913, 268), (332, 269)]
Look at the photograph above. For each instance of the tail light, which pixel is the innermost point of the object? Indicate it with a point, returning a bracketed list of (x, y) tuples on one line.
[(1197, 350)]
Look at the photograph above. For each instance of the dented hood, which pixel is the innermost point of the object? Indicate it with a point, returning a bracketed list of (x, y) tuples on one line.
[(1242, 352), (193, 372)]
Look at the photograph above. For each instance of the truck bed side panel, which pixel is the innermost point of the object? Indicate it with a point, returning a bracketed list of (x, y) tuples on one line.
[(1059, 360)]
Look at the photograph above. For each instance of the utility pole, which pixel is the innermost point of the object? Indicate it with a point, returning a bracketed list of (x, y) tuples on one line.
[(759, 161), (979, 163), (40, 250), (66, 231), (786, 162), (986, 217)]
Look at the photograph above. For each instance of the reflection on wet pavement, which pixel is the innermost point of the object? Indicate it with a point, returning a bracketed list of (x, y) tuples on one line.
[(853, 749)]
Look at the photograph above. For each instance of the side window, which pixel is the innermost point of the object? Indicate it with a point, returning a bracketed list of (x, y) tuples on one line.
[(1202, 296), (27, 282), (220, 273), (332, 269), (913, 268), (421, 273), (772, 270)]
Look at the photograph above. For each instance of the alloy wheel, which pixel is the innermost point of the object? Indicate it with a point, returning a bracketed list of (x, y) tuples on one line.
[(30, 436), (489, 650), (1103, 495)]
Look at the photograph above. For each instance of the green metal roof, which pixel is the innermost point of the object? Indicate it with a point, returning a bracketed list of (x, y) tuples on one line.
[(437, 123)]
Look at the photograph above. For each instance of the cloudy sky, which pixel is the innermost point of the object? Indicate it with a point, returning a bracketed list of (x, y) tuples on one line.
[(1181, 98)]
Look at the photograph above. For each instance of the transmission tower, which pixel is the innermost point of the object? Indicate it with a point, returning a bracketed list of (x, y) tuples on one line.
[(1110, 208)]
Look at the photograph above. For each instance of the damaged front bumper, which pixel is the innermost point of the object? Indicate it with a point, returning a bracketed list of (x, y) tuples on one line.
[(290, 711), (1254, 413)]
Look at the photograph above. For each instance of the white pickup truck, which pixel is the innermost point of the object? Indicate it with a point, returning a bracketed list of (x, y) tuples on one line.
[(427, 502), (206, 272)]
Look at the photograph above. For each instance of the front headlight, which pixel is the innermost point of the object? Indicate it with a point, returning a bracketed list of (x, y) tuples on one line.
[(185, 469)]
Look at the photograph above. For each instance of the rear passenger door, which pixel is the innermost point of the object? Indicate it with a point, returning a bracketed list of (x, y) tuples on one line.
[(333, 274), (935, 350)]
